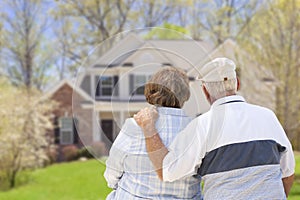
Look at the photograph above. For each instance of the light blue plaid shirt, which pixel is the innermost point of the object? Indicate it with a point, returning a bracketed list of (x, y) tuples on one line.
[(130, 172)]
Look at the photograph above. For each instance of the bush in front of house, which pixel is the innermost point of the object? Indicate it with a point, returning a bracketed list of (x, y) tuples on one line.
[(95, 150), (85, 152), (70, 152)]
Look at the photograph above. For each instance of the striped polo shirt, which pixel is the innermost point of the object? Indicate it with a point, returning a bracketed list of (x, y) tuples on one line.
[(240, 150)]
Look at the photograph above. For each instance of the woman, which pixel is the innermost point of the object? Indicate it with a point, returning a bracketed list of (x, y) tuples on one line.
[(128, 169)]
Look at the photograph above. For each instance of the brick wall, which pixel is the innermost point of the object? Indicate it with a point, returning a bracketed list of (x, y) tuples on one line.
[(72, 108)]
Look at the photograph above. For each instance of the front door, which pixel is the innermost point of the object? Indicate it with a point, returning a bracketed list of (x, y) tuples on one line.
[(107, 128)]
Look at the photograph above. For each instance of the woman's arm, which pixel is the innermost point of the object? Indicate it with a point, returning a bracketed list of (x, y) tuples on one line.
[(114, 167)]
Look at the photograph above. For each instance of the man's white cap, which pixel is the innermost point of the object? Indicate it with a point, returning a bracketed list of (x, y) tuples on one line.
[(219, 69)]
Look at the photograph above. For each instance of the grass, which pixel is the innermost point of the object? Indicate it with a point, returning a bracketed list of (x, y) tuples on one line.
[(67, 181), (82, 181), (295, 191)]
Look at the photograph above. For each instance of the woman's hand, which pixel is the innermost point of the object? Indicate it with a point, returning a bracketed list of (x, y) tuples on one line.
[(146, 119)]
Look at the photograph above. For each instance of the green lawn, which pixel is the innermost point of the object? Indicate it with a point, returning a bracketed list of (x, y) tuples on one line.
[(81, 181), (67, 181)]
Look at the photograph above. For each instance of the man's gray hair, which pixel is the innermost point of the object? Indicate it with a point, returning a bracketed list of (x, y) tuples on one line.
[(221, 88)]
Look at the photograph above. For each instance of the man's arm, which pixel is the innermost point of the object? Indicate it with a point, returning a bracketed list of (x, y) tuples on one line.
[(154, 145), (287, 184), (183, 155)]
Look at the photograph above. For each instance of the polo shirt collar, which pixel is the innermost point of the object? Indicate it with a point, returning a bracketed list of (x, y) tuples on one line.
[(227, 99)]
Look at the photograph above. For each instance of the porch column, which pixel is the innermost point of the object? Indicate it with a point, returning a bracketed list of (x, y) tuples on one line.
[(96, 128), (93, 86), (122, 118)]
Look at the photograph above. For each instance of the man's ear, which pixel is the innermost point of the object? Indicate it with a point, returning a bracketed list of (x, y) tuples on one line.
[(207, 95), (238, 84)]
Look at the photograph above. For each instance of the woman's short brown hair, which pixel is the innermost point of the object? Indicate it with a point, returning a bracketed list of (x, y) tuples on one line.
[(169, 87)]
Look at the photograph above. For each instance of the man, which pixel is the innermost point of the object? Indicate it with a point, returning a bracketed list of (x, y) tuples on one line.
[(240, 149)]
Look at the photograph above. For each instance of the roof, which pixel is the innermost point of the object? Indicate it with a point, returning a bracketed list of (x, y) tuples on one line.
[(180, 52), (63, 82)]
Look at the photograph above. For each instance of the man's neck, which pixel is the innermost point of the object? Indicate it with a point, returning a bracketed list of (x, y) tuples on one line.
[(212, 100)]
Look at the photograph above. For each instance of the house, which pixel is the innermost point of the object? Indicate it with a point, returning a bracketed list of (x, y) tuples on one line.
[(110, 88)]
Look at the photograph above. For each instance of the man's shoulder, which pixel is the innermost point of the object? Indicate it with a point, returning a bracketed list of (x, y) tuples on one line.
[(262, 109)]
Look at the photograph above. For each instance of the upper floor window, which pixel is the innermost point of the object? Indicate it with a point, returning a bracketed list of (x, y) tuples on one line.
[(137, 83), (106, 86)]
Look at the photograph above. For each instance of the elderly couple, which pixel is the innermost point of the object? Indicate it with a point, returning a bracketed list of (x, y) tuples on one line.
[(240, 150)]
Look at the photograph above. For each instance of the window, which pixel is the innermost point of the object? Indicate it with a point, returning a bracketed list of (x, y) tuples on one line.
[(106, 86), (137, 84), (66, 130)]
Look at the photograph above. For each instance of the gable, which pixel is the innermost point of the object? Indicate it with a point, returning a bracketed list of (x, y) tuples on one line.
[(119, 52)]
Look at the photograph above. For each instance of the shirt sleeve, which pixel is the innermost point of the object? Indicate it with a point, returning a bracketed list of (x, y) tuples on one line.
[(287, 159), (114, 167), (119, 151), (185, 153)]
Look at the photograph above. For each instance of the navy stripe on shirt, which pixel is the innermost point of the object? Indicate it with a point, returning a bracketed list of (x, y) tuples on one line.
[(241, 155)]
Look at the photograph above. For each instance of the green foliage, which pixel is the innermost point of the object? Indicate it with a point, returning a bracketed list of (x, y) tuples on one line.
[(86, 152), (168, 32), (273, 40)]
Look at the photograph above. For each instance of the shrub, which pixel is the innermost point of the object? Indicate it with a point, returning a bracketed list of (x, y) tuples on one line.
[(86, 152), (70, 152), (52, 154)]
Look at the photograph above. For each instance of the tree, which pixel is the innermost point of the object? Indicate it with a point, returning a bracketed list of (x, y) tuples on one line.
[(151, 13), (218, 20), (23, 128), (24, 25), (273, 39), (85, 24)]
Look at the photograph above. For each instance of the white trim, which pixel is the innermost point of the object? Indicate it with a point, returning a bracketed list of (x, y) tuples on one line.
[(96, 131)]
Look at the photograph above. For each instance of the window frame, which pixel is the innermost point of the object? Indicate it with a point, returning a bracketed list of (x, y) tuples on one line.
[(66, 129), (100, 86), (136, 85)]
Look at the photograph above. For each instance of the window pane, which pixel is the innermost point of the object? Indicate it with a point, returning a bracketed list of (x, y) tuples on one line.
[(107, 91), (66, 123), (106, 80), (66, 137), (140, 90), (140, 79)]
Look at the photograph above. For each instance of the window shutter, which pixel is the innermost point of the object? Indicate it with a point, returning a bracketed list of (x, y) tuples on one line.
[(97, 84), (56, 130), (116, 86), (75, 132), (131, 84)]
